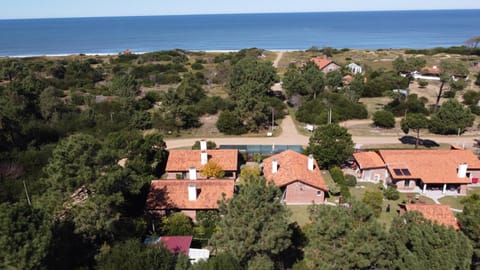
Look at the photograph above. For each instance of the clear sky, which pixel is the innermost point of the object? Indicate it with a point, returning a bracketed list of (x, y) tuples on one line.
[(11, 9)]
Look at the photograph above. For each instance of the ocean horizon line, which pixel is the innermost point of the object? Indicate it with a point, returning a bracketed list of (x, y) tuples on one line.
[(139, 53), (371, 30), (245, 13)]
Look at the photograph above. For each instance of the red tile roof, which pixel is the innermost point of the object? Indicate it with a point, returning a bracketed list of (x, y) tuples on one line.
[(292, 167), (431, 70), (182, 160), (173, 194), (177, 244), (442, 214), (321, 62), (347, 79), (431, 166), (369, 160)]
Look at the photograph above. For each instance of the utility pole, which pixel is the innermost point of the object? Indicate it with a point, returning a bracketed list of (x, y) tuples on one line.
[(273, 119), (26, 193), (329, 115)]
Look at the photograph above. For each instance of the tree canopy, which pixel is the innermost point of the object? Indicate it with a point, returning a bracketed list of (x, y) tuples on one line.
[(344, 238), (469, 221), (415, 243), (384, 119), (316, 111), (451, 118), (254, 223), (416, 122), (409, 64), (330, 145)]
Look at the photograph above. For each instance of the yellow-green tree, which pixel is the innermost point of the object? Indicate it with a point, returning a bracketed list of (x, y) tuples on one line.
[(249, 173), (212, 169)]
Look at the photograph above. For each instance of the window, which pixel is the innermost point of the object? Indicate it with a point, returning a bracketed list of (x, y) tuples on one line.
[(376, 177), (407, 183), (319, 193)]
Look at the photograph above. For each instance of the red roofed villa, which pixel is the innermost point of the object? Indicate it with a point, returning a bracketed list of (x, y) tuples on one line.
[(441, 170), (186, 164), (325, 65), (298, 176), (187, 196)]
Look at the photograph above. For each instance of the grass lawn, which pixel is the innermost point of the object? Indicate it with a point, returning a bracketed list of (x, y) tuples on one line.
[(375, 104), (454, 201), (299, 214), (385, 217), (404, 146)]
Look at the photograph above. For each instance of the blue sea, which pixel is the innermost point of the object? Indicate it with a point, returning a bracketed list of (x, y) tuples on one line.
[(280, 31)]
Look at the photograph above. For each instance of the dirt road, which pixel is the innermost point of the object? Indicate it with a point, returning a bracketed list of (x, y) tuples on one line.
[(290, 136)]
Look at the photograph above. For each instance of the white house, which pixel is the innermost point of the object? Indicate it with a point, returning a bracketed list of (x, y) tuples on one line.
[(355, 68)]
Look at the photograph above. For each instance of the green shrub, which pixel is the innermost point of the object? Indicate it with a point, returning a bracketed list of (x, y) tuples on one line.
[(77, 99), (391, 193), (337, 175), (210, 145), (471, 97), (449, 94), (345, 191), (422, 83), (230, 123), (374, 200), (334, 189), (350, 180), (474, 109), (197, 66), (316, 111), (384, 119)]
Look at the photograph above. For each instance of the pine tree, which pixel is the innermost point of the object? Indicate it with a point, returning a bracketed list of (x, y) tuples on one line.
[(254, 223)]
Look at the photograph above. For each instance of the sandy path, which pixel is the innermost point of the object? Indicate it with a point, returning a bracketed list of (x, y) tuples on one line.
[(277, 60)]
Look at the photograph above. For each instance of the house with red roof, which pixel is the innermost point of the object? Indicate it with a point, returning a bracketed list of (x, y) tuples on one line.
[(298, 176), (437, 213), (426, 169), (370, 167), (175, 244), (187, 164), (325, 65), (187, 196), (180, 244)]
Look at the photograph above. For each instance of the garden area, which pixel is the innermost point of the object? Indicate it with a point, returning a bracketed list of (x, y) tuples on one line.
[(385, 217)]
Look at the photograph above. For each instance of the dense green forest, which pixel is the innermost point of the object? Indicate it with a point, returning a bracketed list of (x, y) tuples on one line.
[(67, 201)]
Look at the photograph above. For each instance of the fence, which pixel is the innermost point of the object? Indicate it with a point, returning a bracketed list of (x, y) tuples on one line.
[(263, 149)]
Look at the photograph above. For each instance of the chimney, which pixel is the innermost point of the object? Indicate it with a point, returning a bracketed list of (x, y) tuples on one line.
[(192, 192), (203, 157), (203, 145), (310, 163), (192, 173), (274, 165), (462, 170)]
